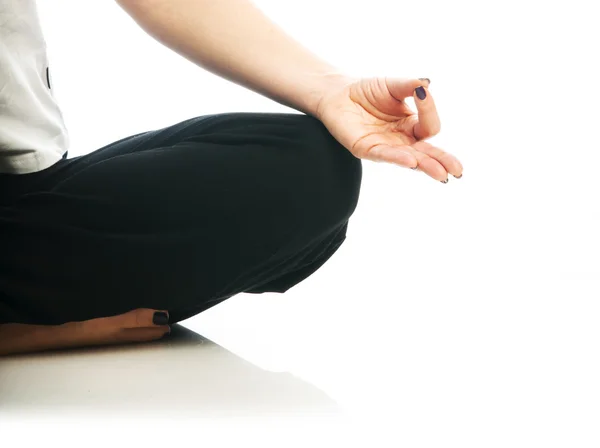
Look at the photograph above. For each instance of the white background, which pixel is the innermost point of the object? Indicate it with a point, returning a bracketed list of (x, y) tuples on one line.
[(463, 314)]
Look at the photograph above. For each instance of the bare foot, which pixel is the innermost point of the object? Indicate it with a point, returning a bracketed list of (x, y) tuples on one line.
[(138, 325)]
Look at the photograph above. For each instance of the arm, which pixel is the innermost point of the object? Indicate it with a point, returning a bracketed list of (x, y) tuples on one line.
[(236, 41)]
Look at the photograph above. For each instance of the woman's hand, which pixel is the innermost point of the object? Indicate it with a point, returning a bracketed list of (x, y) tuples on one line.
[(370, 118), (139, 325)]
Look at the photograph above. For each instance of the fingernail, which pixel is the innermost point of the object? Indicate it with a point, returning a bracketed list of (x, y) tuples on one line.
[(445, 181), (415, 167), (425, 79), (458, 177), (421, 92), (160, 318)]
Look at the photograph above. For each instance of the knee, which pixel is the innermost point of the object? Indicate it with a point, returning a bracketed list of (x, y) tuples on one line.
[(332, 173)]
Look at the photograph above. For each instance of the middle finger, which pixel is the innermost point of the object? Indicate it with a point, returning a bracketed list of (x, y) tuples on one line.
[(450, 163)]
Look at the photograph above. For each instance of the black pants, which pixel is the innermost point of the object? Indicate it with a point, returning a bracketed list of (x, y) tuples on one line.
[(179, 218)]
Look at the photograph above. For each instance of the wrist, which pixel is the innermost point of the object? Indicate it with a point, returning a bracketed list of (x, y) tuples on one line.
[(331, 85)]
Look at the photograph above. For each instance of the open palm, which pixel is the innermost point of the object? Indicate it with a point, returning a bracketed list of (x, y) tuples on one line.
[(370, 118)]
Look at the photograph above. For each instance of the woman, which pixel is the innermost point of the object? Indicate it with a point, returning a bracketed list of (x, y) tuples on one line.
[(113, 246)]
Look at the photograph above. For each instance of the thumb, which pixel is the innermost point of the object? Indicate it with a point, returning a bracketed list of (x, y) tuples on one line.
[(401, 88)]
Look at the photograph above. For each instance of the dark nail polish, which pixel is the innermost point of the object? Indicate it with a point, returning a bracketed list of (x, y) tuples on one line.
[(445, 181), (458, 177), (421, 93), (160, 318), (425, 79), (415, 167)]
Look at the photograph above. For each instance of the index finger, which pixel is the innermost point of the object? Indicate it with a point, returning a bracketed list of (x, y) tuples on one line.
[(428, 124)]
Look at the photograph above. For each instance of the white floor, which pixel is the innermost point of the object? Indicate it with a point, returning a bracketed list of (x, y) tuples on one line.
[(503, 360), (185, 373), (185, 378)]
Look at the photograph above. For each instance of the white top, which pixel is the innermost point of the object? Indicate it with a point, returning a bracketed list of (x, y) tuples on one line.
[(33, 135)]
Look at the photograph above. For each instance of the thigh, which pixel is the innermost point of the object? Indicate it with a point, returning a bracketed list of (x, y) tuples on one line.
[(14, 186)]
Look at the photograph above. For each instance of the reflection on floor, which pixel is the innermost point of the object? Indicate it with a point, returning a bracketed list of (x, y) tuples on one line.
[(183, 374)]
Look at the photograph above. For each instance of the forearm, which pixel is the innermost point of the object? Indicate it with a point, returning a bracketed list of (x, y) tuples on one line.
[(236, 41)]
